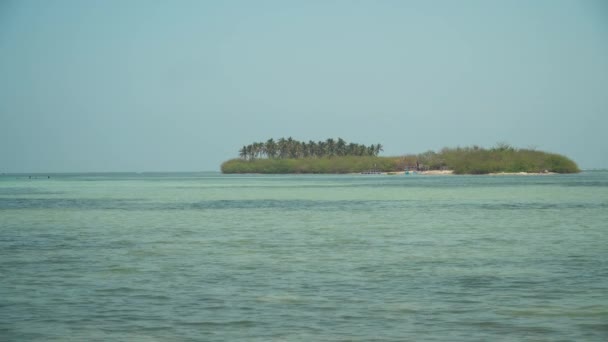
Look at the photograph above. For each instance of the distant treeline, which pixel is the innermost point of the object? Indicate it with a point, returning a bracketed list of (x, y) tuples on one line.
[(293, 149), (461, 160)]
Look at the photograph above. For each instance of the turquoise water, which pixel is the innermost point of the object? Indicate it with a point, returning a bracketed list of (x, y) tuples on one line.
[(210, 257)]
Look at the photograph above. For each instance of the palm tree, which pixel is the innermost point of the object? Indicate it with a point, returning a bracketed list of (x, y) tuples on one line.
[(258, 148), (250, 152), (270, 148), (330, 146), (377, 149), (282, 146), (341, 147), (292, 151), (243, 152), (312, 148), (371, 149), (304, 150), (321, 149), (351, 149), (292, 148)]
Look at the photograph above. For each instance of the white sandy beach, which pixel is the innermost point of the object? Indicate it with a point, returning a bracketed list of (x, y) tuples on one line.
[(451, 172), (429, 172), (522, 173)]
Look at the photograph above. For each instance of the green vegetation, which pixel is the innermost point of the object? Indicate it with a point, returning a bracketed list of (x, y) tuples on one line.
[(294, 149), (291, 156), (502, 158), (347, 164)]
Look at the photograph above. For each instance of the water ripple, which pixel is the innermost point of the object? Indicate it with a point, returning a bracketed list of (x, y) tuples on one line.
[(323, 205)]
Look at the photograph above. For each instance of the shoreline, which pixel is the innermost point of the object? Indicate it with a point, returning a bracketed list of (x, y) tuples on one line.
[(413, 173), (426, 173), (451, 172), (522, 173)]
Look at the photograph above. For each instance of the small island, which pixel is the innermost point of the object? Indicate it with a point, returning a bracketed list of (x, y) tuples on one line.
[(337, 156)]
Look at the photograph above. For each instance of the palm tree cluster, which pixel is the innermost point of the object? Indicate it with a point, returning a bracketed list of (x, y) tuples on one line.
[(291, 148)]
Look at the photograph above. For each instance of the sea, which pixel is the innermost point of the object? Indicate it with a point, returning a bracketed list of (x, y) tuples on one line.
[(212, 257)]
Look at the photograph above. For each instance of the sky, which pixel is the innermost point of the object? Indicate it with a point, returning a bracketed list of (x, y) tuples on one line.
[(125, 85)]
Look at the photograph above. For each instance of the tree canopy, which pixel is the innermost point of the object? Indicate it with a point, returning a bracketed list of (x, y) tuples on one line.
[(293, 149)]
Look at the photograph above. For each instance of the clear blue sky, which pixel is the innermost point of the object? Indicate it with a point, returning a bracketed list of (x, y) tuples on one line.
[(182, 85)]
